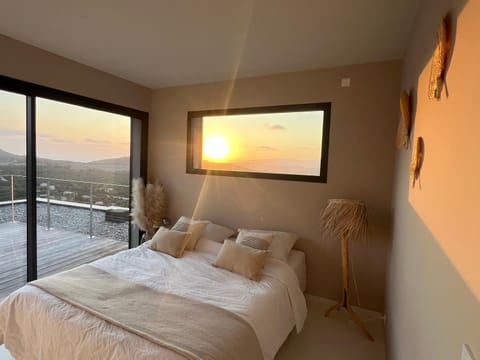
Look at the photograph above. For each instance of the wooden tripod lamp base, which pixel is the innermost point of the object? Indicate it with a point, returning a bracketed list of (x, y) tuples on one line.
[(345, 301)]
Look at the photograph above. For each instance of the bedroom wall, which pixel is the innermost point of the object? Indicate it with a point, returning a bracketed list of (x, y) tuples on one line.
[(29, 63), (434, 274), (363, 124)]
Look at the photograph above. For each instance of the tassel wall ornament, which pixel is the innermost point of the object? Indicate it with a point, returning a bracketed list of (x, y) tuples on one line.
[(439, 62), (417, 160), (404, 126)]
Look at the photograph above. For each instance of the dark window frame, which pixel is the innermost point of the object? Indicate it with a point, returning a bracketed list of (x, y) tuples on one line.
[(31, 91), (321, 178)]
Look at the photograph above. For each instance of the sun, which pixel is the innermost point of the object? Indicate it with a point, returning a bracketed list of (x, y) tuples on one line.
[(215, 148)]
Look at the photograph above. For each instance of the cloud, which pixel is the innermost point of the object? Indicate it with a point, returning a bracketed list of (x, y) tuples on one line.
[(265, 148), (274, 126), (53, 138), (11, 132), (96, 141), (41, 137), (5, 132)]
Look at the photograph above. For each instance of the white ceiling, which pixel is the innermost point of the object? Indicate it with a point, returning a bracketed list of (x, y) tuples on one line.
[(160, 43)]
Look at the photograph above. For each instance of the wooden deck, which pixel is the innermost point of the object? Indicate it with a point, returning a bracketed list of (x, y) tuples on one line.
[(57, 250)]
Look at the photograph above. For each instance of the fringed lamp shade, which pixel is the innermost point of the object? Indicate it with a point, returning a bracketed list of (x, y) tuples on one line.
[(343, 217)]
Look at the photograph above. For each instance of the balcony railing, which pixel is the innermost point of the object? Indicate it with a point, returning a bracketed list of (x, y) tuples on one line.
[(113, 199)]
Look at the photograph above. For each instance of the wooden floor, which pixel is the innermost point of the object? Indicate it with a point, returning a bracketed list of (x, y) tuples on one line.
[(57, 250)]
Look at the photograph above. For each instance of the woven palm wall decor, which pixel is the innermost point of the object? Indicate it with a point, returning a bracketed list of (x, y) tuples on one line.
[(439, 61)]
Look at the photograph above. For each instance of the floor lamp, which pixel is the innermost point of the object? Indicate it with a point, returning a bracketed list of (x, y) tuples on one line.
[(346, 219)]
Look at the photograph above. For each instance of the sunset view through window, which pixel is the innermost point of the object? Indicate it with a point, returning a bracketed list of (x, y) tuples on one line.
[(81, 188), (280, 143)]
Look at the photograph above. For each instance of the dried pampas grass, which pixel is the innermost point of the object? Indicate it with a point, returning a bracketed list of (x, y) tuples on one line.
[(138, 204), (343, 217), (149, 206)]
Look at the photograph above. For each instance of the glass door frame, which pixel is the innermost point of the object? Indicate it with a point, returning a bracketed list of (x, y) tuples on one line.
[(138, 150)]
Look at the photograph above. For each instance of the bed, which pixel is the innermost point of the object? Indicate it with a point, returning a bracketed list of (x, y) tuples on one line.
[(37, 325)]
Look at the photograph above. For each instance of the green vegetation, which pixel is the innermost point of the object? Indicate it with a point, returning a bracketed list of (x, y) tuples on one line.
[(109, 171)]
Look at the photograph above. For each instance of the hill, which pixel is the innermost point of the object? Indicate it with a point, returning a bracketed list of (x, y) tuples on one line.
[(106, 171), (115, 170), (6, 157), (121, 163), (113, 164)]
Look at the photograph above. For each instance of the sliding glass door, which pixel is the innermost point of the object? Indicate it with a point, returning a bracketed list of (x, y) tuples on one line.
[(13, 198), (66, 164), (83, 176)]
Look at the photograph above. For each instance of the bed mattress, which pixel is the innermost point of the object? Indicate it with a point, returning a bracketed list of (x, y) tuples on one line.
[(296, 260)]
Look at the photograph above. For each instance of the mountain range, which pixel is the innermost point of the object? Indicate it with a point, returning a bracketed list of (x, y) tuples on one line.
[(6, 156), (120, 163)]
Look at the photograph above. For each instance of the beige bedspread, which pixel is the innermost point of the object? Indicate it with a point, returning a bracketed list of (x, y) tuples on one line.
[(193, 329)]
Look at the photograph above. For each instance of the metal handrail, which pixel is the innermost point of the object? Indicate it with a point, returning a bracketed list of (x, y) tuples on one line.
[(68, 180), (91, 183)]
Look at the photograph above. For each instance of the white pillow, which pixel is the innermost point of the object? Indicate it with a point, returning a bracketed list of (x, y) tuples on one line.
[(195, 227), (257, 241), (282, 242), (208, 246), (217, 232)]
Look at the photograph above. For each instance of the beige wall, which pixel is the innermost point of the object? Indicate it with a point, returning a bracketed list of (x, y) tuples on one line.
[(434, 274), (29, 63), (360, 165)]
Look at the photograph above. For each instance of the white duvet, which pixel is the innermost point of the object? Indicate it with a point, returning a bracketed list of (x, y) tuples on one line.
[(36, 325)]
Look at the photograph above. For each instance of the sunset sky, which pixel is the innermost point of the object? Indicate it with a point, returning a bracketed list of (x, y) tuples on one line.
[(266, 139), (64, 131)]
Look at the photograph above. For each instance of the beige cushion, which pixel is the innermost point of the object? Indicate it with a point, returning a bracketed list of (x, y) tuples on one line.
[(256, 241), (195, 227), (282, 242), (170, 242), (241, 259)]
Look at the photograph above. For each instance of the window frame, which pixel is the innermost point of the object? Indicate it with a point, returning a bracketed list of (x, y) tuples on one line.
[(139, 125), (192, 147)]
